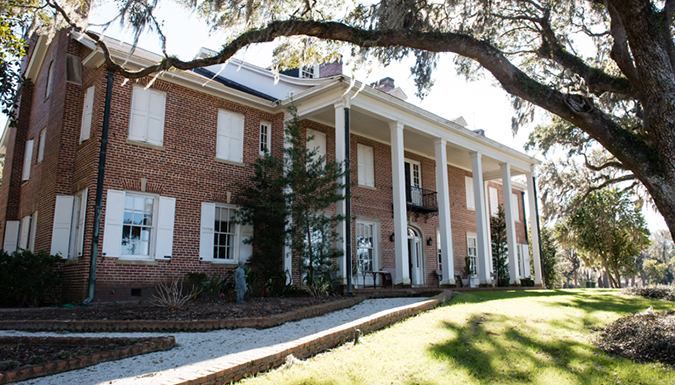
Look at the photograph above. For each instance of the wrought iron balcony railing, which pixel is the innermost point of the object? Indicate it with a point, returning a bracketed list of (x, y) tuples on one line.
[(421, 200)]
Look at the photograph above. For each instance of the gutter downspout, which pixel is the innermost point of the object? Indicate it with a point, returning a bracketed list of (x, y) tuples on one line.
[(348, 206), (99, 187)]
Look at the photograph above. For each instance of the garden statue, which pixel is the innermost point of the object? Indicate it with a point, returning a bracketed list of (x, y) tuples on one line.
[(240, 282)]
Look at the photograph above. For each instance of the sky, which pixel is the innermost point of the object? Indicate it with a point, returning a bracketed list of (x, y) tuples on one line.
[(483, 103)]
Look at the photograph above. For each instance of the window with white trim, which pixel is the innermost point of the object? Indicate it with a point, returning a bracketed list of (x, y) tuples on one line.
[(494, 201), (138, 225), (413, 182), (316, 141), (438, 249), (366, 165), (366, 245), (27, 160), (222, 238), (230, 141), (265, 137), (470, 196), (87, 111), (472, 252), (514, 207), (41, 145), (147, 115), (50, 80), (309, 71)]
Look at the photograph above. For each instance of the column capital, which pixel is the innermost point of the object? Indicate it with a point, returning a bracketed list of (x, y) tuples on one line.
[(396, 125), (504, 165), (440, 141), (475, 155), (342, 103)]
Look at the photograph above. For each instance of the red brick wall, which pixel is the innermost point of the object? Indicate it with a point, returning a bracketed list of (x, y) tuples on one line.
[(184, 168)]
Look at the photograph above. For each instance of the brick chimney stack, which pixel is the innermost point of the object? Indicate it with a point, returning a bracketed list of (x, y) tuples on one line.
[(384, 84)]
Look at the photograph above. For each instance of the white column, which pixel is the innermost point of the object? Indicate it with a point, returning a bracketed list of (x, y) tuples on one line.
[(483, 243), (340, 206), (447, 259), (288, 251), (514, 279), (534, 229), (488, 234), (400, 225)]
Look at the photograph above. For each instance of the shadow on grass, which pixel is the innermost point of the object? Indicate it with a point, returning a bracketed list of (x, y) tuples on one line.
[(513, 356)]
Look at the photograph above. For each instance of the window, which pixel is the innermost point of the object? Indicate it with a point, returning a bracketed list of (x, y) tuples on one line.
[(147, 116), (309, 72), (25, 232), (50, 77), (514, 207), (68, 228), (413, 183), (316, 141), (73, 69), (222, 239), (138, 225), (438, 249), (470, 196), (27, 159), (366, 245), (472, 253), (11, 236), (494, 201), (366, 166), (230, 142), (265, 137), (87, 111), (41, 145)]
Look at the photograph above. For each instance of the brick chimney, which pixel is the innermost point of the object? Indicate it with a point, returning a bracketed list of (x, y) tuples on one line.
[(384, 84)]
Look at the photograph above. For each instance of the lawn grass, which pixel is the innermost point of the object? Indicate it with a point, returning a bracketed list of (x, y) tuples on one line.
[(537, 337)]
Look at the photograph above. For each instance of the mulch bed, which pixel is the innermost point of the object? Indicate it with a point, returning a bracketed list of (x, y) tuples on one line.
[(642, 337), (255, 307)]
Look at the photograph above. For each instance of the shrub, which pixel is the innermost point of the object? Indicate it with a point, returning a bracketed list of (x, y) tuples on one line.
[(664, 292), (643, 337), (216, 288), (170, 293), (28, 279)]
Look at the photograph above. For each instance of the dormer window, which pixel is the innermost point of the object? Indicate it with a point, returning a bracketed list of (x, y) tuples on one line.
[(309, 72)]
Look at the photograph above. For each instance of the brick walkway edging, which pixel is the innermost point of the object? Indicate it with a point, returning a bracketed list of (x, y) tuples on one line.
[(147, 345), (180, 326), (275, 356)]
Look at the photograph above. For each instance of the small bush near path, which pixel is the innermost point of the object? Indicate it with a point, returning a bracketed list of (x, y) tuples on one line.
[(643, 337), (28, 279), (665, 292)]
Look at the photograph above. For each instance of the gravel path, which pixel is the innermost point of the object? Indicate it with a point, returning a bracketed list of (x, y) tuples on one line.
[(198, 351)]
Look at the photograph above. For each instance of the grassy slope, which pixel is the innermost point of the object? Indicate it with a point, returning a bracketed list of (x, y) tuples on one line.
[(489, 338)]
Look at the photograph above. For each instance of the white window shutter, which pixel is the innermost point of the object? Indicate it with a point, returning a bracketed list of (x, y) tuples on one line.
[(470, 197), (514, 207), (112, 232), (361, 161), (87, 111), (33, 229), (11, 236), (246, 250), (140, 104), (165, 224), (206, 234), (223, 139), (27, 160), (370, 167), (81, 222), (318, 144), (156, 108), (237, 138), (494, 201), (25, 232), (41, 145), (63, 214)]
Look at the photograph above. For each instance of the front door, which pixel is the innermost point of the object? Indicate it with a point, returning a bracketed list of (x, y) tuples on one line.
[(415, 257)]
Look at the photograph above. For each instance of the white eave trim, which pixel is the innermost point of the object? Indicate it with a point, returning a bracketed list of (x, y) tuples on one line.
[(37, 58)]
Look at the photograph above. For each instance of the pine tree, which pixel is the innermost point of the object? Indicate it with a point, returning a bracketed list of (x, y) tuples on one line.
[(500, 247)]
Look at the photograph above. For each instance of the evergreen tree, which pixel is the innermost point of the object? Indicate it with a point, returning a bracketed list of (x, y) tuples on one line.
[(500, 247)]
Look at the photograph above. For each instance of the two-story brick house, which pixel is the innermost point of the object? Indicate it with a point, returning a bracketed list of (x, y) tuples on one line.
[(426, 186)]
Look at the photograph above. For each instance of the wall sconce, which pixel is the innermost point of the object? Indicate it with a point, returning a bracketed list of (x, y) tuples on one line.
[(392, 237), (430, 241)]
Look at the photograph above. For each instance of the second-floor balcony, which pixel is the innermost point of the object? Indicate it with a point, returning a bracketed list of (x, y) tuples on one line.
[(421, 200)]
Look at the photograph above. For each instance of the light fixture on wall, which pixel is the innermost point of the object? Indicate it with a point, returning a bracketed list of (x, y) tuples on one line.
[(392, 237), (430, 241)]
